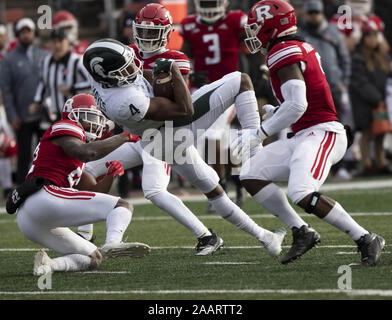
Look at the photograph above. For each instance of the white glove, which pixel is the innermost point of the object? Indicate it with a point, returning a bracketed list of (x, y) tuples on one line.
[(247, 140), (269, 111)]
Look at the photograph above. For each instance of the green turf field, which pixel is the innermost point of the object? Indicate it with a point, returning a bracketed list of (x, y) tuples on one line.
[(241, 270)]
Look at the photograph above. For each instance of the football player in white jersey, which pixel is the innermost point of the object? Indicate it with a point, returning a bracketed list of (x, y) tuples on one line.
[(127, 98), (156, 173)]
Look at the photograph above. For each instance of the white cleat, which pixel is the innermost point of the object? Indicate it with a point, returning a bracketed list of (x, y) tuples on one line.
[(42, 264), (274, 247), (125, 249)]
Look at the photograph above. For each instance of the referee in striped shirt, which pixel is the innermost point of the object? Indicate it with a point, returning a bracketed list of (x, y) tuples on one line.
[(62, 75)]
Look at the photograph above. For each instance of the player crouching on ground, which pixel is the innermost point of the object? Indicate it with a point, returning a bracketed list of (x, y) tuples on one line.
[(48, 204)]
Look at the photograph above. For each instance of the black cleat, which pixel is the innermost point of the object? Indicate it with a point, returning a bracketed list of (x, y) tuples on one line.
[(370, 245), (209, 244), (304, 239)]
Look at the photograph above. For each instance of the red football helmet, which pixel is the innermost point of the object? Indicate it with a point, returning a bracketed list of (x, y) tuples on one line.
[(152, 27), (81, 109), (65, 19), (268, 20), (211, 10)]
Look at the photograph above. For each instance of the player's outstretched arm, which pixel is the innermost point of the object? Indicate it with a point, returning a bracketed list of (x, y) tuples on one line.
[(77, 149)]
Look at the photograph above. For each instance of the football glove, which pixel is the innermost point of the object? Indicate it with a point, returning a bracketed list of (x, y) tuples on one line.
[(132, 137), (269, 111), (247, 140), (162, 65), (115, 168)]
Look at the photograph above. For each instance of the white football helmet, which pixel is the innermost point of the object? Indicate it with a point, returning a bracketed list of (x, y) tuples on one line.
[(211, 11)]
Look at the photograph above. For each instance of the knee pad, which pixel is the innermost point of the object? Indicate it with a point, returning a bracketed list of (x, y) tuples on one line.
[(315, 196)]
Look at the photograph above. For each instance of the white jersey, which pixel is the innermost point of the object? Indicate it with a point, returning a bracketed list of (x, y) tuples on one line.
[(127, 106)]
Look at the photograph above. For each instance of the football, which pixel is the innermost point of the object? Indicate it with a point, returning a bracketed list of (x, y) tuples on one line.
[(162, 86)]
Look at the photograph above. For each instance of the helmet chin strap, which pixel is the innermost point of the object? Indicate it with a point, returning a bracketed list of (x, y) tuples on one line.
[(267, 47)]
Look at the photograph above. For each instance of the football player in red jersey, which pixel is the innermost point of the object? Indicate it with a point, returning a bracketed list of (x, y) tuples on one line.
[(152, 28), (66, 20), (319, 139), (213, 37), (49, 203)]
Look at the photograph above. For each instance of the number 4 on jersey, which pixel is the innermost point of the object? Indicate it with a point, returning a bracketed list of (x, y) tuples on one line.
[(133, 109)]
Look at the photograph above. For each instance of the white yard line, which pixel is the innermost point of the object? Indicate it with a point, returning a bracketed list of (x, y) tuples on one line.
[(355, 292), (254, 216), (328, 187), (355, 252), (189, 247)]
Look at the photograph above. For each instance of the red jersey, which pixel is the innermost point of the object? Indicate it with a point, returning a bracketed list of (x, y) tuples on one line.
[(51, 162), (215, 47), (180, 58), (318, 94)]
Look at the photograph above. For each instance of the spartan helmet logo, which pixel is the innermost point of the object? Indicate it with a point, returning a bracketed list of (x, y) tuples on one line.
[(96, 67)]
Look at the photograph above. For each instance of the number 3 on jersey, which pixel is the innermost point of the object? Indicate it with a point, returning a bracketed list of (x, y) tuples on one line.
[(214, 48)]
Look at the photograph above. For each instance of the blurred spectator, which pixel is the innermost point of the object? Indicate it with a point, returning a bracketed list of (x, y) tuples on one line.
[(330, 45), (67, 21), (19, 78), (370, 69), (3, 41), (62, 75), (126, 33), (383, 8), (361, 11), (8, 148), (131, 8)]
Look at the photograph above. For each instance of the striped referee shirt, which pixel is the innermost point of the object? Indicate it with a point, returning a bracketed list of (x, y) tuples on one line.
[(66, 72)]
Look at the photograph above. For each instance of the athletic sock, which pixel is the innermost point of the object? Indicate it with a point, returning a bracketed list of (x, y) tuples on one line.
[(86, 231), (339, 218), (177, 209), (232, 213), (272, 198), (71, 262), (247, 110), (117, 222)]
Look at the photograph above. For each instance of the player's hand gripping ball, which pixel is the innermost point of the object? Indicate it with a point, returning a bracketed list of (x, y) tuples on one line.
[(162, 79)]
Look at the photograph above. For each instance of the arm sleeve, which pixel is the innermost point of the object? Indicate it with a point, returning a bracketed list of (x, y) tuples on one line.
[(6, 88), (293, 107)]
